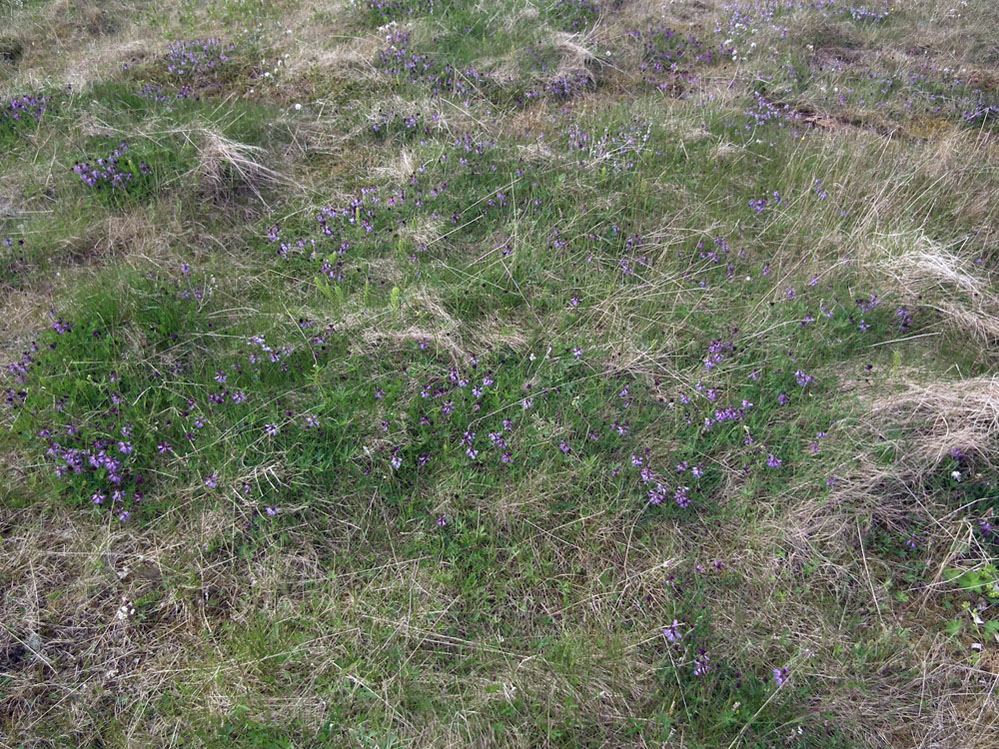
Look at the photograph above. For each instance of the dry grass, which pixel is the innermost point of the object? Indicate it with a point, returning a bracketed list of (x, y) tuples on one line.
[(926, 272), (940, 417), (225, 166)]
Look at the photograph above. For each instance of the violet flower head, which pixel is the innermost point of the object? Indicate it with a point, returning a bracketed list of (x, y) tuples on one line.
[(672, 632), (701, 666)]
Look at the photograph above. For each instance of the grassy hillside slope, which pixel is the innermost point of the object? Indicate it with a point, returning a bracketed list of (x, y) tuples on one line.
[(526, 373)]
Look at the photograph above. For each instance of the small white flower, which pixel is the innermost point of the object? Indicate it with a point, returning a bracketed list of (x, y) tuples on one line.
[(125, 610), (956, 475), (298, 107)]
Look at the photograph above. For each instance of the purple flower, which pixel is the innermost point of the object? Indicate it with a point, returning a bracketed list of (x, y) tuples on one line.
[(802, 378), (212, 481), (672, 632), (271, 429), (780, 676), (442, 520), (701, 666), (773, 461), (272, 511)]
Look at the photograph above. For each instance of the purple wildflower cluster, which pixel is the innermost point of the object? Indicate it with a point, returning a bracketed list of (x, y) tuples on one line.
[(391, 9), (91, 438), (22, 109), (347, 230), (574, 15), (197, 58), (561, 87), (620, 149), (764, 112), (157, 92), (104, 462), (717, 351), (554, 84), (399, 60), (978, 110), (111, 171), (668, 58), (661, 489), (760, 204), (866, 13), (387, 122)]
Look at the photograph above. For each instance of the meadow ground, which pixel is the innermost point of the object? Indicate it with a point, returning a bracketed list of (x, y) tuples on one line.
[(523, 373)]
